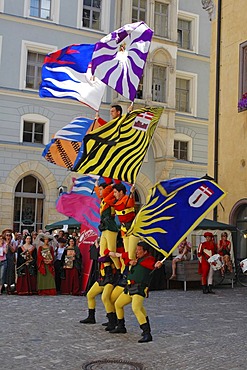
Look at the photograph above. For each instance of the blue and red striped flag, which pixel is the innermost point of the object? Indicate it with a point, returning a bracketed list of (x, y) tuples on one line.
[(66, 73)]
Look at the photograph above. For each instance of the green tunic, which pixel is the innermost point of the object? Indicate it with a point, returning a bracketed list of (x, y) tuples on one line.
[(46, 281)]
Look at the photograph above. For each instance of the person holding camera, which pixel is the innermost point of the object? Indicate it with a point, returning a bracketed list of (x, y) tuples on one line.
[(184, 254)]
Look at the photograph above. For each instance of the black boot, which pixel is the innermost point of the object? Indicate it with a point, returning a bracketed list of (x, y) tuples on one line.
[(120, 327), (105, 323), (112, 321), (204, 289), (210, 291), (90, 319), (147, 337), (148, 325)]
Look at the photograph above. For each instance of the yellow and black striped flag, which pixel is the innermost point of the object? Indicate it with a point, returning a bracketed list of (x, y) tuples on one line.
[(117, 149)]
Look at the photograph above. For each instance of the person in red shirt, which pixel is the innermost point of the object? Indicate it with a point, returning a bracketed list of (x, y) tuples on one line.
[(205, 251), (224, 250), (124, 206)]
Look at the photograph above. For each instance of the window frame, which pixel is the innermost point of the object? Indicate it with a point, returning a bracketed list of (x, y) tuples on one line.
[(55, 11), (194, 37), (139, 9), (166, 83), (27, 195), (184, 138), (192, 78), (35, 118), (168, 19), (32, 47), (242, 69), (104, 17)]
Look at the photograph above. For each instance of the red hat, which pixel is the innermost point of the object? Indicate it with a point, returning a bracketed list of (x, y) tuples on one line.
[(208, 234)]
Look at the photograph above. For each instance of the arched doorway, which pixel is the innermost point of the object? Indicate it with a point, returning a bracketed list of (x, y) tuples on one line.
[(238, 217), (28, 205)]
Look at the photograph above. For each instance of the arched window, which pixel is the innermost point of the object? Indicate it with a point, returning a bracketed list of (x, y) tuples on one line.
[(28, 207)]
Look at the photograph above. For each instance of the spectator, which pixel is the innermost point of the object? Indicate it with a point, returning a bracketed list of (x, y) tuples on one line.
[(224, 250), (34, 235), (26, 267), (184, 254), (71, 269), (58, 264), (45, 263), (3, 262), (10, 256)]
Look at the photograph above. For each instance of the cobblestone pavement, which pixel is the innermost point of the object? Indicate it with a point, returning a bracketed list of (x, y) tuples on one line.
[(190, 331)]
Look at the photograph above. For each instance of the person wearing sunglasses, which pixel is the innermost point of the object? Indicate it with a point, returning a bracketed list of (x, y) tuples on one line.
[(10, 257)]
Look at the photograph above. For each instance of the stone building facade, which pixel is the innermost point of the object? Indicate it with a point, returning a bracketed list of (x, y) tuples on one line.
[(176, 77)]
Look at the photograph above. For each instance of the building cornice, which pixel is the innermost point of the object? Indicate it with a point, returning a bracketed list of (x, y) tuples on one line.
[(187, 119), (26, 94), (201, 58), (52, 26)]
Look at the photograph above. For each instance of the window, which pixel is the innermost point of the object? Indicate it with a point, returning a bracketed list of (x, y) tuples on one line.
[(91, 14), (181, 150), (33, 132), (40, 9), (139, 10), (161, 19), (184, 34), (35, 62), (159, 83), (28, 205), (34, 129), (243, 69), (186, 92), (32, 60), (139, 92), (182, 95), (188, 31)]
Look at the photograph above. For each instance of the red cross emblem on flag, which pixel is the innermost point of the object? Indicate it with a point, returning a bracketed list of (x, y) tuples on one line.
[(142, 121), (200, 196)]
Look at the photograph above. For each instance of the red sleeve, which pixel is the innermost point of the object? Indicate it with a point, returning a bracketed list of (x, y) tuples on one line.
[(108, 190), (125, 257), (128, 201), (96, 189), (110, 199), (101, 121), (106, 251), (148, 262), (40, 262)]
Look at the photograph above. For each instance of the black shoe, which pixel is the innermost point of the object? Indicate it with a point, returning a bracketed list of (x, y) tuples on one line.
[(90, 319), (146, 335), (120, 327)]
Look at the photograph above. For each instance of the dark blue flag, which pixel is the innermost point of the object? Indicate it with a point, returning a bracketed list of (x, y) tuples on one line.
[(173, 209)]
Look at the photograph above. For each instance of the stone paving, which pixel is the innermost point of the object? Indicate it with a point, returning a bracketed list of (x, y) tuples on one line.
[(190, 331)]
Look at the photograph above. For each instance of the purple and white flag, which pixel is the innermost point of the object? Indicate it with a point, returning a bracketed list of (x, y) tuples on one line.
[(119, 58)]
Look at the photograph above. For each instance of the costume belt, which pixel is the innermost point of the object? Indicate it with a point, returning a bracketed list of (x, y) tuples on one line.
[(125, 211)]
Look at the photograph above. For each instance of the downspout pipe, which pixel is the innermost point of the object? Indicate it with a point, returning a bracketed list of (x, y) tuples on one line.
[(217, 102)]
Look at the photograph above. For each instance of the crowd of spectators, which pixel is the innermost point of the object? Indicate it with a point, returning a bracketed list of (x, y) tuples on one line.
[(40, 263)]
